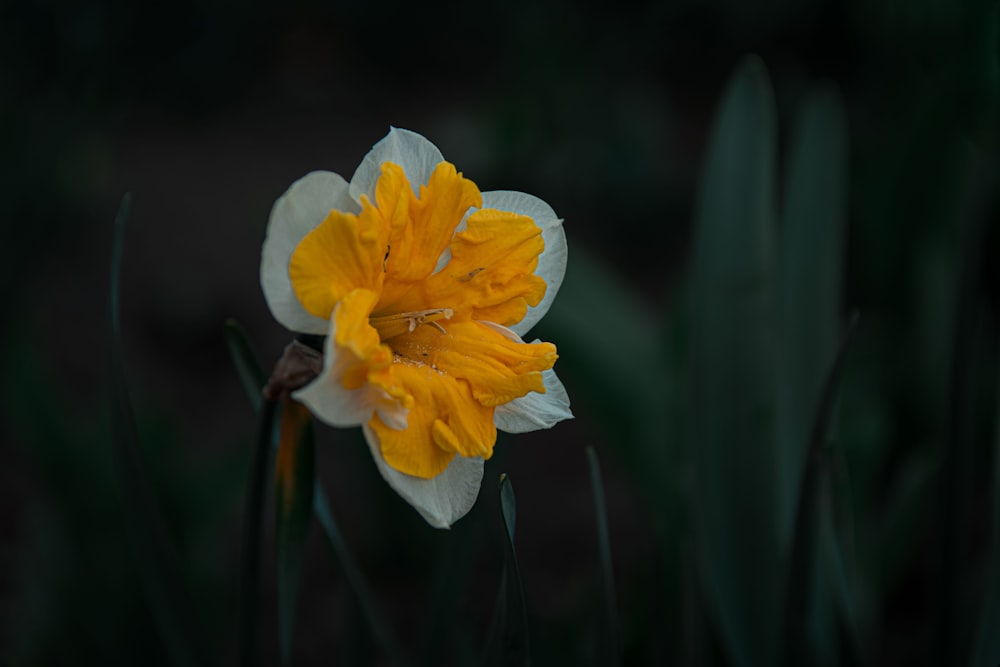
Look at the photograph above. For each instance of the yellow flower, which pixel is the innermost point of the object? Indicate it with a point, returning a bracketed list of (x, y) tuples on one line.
[(423, 287)]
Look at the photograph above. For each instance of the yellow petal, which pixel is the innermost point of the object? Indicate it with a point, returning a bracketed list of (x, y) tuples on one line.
[(344, 252), (496, 368), (490, 275), (421, 228), (371, 360), (444, 420)]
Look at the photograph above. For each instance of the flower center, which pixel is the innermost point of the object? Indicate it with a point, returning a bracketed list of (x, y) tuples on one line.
[(390, 326)]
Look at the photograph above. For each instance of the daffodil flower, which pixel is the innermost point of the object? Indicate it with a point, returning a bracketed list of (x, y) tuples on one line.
[(423, 287)]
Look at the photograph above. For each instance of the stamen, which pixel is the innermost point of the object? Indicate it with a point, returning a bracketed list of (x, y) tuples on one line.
[(389, 326)]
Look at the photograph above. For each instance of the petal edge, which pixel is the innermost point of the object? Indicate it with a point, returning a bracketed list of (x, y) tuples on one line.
[(413, 152), (534, 411), (552, 260), (296, 213), (441, 501)]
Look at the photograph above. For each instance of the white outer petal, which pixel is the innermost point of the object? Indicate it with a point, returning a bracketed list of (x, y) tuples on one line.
[(442, 500), (552, 261), (328, 399), (416, 155), (296, 213), (534, 411)]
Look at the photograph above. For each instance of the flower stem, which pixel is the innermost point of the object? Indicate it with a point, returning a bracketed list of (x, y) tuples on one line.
[(249, 609)]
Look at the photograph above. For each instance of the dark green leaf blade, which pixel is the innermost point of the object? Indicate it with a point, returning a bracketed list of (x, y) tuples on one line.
[(810, 267), (251, 375), (507, 643), (819, 599), (608, 646), (733, 392), (987, 649), (379, 627), (154, 552), (248, 629), (295, 482), (253, 380)]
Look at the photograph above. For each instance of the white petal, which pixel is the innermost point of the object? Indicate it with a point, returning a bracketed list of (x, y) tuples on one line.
[(416, 155), (296, 213), (442, 500), (327, 398), (552, 261), (534, 411)]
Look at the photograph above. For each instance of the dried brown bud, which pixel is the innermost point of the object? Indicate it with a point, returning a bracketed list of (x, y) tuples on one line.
[(298, 365)]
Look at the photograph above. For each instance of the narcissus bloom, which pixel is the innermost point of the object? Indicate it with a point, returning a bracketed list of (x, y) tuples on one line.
[(423, 286)]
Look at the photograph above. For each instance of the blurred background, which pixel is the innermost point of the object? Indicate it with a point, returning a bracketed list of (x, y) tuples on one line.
[(208, 111)]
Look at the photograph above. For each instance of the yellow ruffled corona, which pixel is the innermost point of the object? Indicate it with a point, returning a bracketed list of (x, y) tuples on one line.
[(423, 286)]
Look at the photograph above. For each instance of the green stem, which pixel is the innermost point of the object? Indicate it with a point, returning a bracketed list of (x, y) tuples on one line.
[(249, 611)]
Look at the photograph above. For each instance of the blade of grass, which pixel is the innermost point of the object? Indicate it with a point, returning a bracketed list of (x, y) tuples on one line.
[(811, 606), (251, 376), (986, 651), (958, 455), (507, 643), (295, 481), (607, 642), (377, 624), (733, 373), (810, 263), (253, 380), (249, 609), (154, 552)]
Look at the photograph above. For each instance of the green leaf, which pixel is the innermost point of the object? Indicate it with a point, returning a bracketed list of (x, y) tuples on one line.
[(380, 629), (508, 638), (819, 594), (153, 550), (733, 390), (295, 481), (253, 380), (987, 648), (248, 622), (958, 447), (251, 376), (810, 268), (607, 642)]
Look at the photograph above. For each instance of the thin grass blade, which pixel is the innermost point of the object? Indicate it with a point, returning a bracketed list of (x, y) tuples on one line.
[(248, 369), (818, 589), (987, 648), (253, 380), (607, 641), (377, 625), (508, 639), (248, 630), (294, 485), (153, 550)]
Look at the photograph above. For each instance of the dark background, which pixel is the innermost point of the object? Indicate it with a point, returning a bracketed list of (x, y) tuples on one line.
[(208, 111)]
